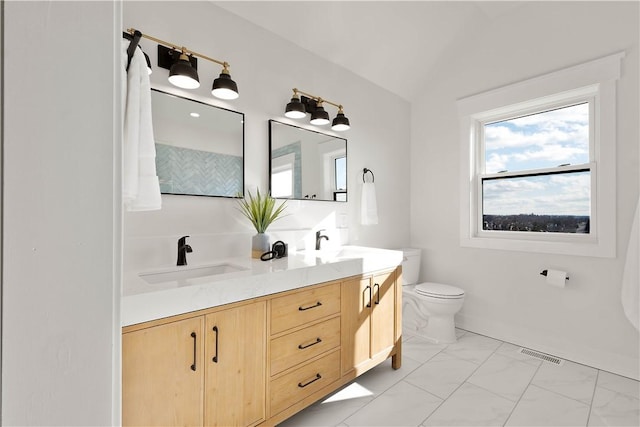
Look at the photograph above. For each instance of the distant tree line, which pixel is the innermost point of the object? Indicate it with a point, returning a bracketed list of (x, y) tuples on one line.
[(540, 223)]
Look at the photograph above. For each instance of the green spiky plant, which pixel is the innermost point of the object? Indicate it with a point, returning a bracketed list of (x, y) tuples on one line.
[(260, 210)]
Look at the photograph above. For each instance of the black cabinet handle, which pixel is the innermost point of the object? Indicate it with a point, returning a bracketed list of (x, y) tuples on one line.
[(317, 341), (318, 304), (312, 381), (195, 339), (365, 289), (215, 358), (377, 293)]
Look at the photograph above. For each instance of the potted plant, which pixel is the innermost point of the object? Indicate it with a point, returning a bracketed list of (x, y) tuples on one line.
[(261, 211)]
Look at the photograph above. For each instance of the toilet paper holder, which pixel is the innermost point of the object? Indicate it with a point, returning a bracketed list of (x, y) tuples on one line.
[(545, 272)]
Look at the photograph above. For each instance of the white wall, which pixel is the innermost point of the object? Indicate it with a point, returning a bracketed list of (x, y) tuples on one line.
[(506, 297), (60, 284), (266, 68)]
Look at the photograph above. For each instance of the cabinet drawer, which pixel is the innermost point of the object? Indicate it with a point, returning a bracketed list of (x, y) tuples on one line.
[(305, 306), (297, 347), (304, 381)]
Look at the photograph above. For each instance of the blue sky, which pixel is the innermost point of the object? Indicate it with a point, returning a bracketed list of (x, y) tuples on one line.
[(533, 142)]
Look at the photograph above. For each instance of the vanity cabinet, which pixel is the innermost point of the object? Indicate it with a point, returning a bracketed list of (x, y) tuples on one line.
[(259, 361), (205, 370), (304, 346), (371, 322)]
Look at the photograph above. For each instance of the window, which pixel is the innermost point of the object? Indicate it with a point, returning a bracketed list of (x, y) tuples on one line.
[(334, 171), (282, 176), (538, 163), (340, 178), (537, 170)]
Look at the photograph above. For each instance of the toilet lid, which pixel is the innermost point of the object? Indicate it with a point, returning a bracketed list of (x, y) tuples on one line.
[(439, 290)]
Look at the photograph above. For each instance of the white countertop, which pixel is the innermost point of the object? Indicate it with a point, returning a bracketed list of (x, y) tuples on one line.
[(142, 302)]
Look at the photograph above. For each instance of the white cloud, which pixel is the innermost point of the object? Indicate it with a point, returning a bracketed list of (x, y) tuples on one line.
[(532, 142), (554, 118), (551, 195), (537, 141), (500, 137), (497, 162), (552, 153)]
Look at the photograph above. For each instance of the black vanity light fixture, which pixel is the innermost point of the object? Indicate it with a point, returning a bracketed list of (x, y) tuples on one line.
[(182, 64), (299, 106)]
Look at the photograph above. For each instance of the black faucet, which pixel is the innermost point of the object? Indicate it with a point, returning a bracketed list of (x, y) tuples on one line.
[(183, 249), (319, 238)]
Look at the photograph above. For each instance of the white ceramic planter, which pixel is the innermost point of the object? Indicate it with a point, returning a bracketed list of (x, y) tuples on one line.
[(260, 243)]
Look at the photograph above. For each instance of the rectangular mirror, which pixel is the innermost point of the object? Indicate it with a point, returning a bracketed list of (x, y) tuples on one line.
[(306, 165), (199, 147)]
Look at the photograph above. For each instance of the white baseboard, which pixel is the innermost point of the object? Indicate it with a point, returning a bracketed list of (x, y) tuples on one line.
[(606, 361)]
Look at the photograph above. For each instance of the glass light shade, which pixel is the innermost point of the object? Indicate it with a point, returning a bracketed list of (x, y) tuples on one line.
[(224, 87), (340, 123), (295, 109), (183, 75), (319, 117)]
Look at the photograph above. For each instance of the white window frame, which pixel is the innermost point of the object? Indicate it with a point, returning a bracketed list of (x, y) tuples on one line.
[(595, 82), (282, 164), (329, 169), (334, 171), (339, 193)]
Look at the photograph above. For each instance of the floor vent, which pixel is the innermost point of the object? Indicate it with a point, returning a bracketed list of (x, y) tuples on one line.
[(541, 356)]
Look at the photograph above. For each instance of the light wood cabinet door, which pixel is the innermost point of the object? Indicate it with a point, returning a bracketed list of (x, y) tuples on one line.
[(368, 320), (163, 374), (383, 310), (356, 322), (236, 366)]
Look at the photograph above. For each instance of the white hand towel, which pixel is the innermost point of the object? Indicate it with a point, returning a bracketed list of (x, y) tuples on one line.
[(369, 205), (140, 186), (631, 278)]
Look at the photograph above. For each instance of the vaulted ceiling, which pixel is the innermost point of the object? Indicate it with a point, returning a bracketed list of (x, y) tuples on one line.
[(393, 44)]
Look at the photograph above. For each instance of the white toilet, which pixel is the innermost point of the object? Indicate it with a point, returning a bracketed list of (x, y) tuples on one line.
[(428, 309)]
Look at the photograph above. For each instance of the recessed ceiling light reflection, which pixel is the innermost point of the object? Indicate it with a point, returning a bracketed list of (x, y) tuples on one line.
[(194, 114)]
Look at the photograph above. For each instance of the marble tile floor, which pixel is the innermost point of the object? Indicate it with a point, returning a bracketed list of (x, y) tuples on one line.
[(477, 381)]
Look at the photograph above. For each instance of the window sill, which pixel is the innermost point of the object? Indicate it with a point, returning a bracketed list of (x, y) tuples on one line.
[(577, 246)]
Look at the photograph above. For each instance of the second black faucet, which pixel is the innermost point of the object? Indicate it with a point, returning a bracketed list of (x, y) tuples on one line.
[(319, 237)]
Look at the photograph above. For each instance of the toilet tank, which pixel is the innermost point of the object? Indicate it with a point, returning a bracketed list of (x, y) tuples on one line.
[(411, 266)]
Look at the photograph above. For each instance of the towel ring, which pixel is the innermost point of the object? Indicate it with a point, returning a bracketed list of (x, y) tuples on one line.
[(364, 172)]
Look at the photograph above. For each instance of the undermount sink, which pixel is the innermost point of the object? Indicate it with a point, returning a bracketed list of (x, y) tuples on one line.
[(338, 252), (184, 273), (371, 258)]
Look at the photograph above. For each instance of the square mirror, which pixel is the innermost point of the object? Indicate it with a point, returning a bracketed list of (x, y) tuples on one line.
[(306, 165), (199, 147)]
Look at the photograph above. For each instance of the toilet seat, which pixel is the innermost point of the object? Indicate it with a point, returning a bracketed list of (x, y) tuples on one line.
[(439, 290)]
